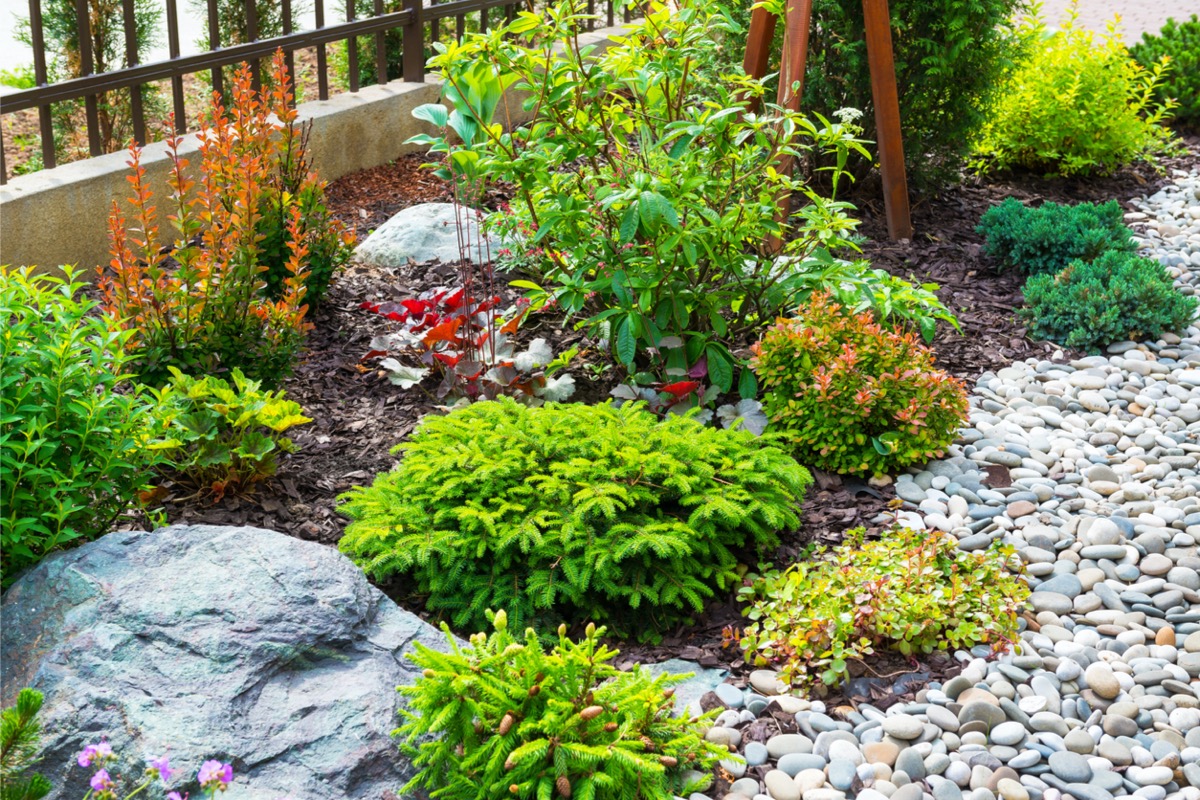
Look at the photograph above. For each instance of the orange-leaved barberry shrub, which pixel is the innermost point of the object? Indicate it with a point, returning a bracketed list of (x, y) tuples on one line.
[(853, 396), (200, 297)]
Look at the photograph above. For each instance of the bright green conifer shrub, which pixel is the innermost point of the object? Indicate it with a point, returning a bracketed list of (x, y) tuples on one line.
[(509, 719), (572, 512), (1117, 297), (1045, 239), (852, 396), (913, 591)]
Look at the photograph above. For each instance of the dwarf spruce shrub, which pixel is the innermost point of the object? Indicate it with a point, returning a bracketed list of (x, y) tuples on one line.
[(572, 512), (1117, 297), (509, 719), (913, 591), (1045, 239), (852, 396)]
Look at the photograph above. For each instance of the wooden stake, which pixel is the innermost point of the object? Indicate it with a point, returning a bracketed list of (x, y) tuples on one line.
[(887, 117)]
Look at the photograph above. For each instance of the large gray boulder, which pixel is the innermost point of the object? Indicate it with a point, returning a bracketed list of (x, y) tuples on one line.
[(207, 642), (424, 233)]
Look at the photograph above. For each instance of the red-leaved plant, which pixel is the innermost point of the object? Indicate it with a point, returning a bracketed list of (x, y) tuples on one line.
[(196, 298)]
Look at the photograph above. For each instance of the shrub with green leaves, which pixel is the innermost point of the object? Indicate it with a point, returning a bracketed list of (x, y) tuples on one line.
[(20, 738), (73, 441), (853, 397), (502, 717), (913, 591), (572, 512), (1180, 42), (1117, 297), (1045, 239), (1074, 106), (223, 438)]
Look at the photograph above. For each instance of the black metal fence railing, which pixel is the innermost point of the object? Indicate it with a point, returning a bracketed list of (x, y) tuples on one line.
[(419, 25)]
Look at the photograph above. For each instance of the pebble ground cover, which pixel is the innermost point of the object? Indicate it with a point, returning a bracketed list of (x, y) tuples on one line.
[(1089, 468)]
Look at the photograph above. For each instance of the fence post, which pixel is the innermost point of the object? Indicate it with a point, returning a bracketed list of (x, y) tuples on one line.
[(413, 44)]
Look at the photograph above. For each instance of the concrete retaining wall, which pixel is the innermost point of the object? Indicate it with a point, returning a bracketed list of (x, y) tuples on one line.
[(59, 216)]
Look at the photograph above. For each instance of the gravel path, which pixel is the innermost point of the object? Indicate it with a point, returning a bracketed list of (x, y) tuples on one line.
[(1137, 16), (1090, 469)]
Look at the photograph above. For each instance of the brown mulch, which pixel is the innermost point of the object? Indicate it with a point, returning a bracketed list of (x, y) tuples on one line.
[(359, 417)]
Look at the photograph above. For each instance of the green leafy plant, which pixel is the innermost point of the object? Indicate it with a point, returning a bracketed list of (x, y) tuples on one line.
[(1117, 297), (73, 442), (20, 738), (1045, 239), (509, 719), (1075, 106), (223, 438), (573, 512), (643, 183), (951, 57), (913, 591), (114, 114), (853, 397), (1179, 42), (198, 300)]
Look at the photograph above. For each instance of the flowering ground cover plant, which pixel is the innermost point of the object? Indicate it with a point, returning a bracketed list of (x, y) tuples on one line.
[(853, 397), (198, 298), (572, 512), (914, 591), (504, 717), (213, 776)]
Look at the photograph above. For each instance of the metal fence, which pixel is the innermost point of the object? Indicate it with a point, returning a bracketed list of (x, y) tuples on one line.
[(419, 24)]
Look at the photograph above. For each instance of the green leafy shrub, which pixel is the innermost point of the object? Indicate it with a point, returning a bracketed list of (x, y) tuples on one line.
[(853, 397), (1179, 41), (571, 511), (72, 436), (20, 738), (1117, 297), (223, 438), (951, 61), (643, 187), (913, 591), (1074, 106), (511, 720), (1045, 239)]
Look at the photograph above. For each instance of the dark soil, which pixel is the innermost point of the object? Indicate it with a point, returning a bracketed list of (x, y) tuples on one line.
[(359, 417)]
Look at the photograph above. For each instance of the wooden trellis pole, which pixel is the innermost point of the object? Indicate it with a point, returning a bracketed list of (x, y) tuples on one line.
[(797, 22)]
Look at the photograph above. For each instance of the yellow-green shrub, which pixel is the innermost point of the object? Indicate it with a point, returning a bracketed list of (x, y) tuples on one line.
[(1075, 106)]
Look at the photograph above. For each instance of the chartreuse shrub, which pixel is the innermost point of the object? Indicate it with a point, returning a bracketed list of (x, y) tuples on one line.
[(852, 396), (502, 717), (20, 740), (1075, 106), (1045, 239), (72, 435), (223, 438), (1180, 42), (913, 591), (1117, 297), (572, 512)]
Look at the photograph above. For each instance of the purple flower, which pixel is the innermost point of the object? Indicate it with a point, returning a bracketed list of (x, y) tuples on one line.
[(95, 752), (163, 767), (177, 796), (101, 782), (215, 774)]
